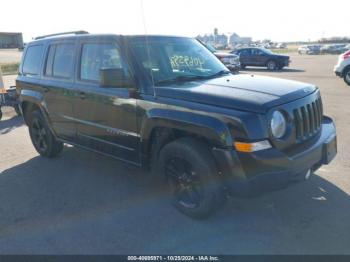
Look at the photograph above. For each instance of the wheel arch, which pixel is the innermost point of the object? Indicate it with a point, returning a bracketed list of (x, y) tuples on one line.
[(30, 100), (346, 68), (164, 126)]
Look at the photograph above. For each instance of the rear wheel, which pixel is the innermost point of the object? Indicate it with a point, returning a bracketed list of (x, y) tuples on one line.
[(42, 138), (347, 76), (192, 177)]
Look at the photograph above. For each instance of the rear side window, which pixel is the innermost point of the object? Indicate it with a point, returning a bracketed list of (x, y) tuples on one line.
[(97, 56), (32, 60), (60, 59)]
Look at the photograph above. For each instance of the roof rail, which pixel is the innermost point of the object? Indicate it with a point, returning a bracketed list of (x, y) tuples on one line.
[(81, 32)]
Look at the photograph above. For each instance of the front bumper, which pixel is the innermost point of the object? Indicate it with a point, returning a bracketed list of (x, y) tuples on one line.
[(338, 71), (339, 74), (287, 63), (233, 67), (251, 173)]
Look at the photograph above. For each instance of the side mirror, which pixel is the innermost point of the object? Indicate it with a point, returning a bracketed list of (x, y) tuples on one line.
[(114, 77)]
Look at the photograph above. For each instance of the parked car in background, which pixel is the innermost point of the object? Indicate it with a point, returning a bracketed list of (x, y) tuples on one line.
[(333, 49), (261, 57), (309, 49), (281, 45), (342, 69), (231, 61)]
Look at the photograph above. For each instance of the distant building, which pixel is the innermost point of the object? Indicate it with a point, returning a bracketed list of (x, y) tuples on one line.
[(11, 40), (236, 39), (214, 40)]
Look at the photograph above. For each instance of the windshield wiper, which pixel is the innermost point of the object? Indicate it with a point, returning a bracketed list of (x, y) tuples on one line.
[(180, 79), (220, 73), (186, 78)]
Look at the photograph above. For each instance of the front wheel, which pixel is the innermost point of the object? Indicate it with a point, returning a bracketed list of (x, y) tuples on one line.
[(42, 138), (271, 65), (347, 76), (192, 177)]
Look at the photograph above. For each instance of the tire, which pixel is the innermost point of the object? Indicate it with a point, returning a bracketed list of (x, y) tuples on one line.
[(347, 76), (42, 138), (192, 177), (0, 113), (271, 65)]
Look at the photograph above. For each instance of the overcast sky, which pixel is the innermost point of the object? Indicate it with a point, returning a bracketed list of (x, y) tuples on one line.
[(273, 19)]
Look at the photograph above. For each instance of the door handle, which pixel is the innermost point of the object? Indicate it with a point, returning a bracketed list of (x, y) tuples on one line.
[(82, 95)]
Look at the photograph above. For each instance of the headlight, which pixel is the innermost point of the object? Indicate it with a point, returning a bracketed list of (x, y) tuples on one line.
[(233, 60), (225, 60), (278, 124)]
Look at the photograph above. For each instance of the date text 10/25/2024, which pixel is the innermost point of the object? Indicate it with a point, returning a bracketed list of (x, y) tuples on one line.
[(173, 258)]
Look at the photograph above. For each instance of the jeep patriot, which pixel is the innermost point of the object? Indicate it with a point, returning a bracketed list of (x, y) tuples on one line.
[(169, 105)]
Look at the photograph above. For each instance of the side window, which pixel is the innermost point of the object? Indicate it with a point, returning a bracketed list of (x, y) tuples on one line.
[(32, 60), (255, 52), (245, 52), (59, 62), (97, 56)]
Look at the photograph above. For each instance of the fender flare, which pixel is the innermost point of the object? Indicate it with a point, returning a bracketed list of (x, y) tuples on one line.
[(204, 125), (37, 99)]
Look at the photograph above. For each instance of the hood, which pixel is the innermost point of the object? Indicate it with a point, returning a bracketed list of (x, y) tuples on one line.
[(282, 56), (242, 92)]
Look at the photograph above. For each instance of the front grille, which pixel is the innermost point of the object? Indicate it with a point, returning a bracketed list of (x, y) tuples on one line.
[(308, 119)]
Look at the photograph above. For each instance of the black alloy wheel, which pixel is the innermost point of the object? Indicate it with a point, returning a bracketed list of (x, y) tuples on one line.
[(184, 182)]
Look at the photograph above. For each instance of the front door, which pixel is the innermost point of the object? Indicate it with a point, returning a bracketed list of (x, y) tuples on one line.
[(105, 116)]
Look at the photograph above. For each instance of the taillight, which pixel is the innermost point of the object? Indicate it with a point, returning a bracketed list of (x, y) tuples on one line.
[(346, 55)]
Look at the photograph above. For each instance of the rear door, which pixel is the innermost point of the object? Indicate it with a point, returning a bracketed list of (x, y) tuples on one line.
[(57, 86), (245, 57), (105, 116)]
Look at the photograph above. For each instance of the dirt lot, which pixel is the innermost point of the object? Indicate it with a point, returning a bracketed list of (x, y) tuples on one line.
[(85, 203)]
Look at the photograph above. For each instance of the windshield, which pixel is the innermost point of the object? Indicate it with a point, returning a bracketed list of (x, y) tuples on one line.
[(166, 59), (211, 48), (267, 51)]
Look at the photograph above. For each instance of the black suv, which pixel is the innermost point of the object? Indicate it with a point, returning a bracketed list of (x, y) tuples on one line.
[(261, 57), (169, 105)]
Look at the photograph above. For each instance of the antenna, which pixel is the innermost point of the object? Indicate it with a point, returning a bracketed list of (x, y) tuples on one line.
[(147, 45)]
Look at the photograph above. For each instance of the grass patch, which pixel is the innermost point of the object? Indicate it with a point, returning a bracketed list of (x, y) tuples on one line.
[(9, 68), (285, 51)]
